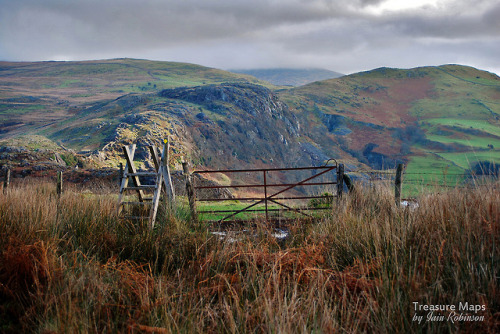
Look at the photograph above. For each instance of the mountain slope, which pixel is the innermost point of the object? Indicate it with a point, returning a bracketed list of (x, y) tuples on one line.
[(215, 125), (401, 113), (40, 93)]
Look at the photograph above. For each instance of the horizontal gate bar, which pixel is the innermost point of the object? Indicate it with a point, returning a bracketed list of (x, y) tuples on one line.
[(258, 198), (262, 210), (268, 185), (260, 169)]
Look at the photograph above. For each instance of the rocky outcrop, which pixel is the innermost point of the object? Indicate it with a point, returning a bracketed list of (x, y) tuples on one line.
[(240, 123), (230, 98)]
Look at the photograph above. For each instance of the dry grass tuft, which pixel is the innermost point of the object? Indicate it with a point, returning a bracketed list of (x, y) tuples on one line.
[(25, 269)]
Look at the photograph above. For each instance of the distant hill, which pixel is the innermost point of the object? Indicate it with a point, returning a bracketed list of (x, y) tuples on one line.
[(35, 94), (290, 76)]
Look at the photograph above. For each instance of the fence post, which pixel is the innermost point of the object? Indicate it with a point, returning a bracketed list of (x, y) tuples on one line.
[(169, 187), (265, 195), (348, 183), (59, 184), (190, 190), (6, 181), (340, 180), (397, 184), (120, 177)]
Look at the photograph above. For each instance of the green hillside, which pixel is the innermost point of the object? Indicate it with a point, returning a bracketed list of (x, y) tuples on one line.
[(36, 94), (448, 112)]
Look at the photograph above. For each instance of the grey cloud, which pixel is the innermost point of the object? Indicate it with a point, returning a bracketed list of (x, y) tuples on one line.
[(230, 33), (449, 26)]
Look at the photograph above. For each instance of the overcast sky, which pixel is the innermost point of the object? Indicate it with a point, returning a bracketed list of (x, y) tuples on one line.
[(343, 36)]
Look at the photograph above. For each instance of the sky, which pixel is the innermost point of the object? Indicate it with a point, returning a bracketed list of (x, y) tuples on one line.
[(343, 36)]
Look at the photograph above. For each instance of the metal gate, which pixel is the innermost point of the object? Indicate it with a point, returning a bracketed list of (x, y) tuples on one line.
[(269, 197)]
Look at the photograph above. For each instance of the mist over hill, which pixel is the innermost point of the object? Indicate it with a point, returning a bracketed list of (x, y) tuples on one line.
[(428, 117), (290, 76)]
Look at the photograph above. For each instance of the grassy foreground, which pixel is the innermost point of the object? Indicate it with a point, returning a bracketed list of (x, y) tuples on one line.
[(71, 266)]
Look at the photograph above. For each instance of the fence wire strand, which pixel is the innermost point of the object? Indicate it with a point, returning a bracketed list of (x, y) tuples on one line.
[(463, 181)]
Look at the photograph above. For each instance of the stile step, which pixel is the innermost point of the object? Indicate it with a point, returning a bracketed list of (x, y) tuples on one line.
[(137, 203), (142, 174), (143, 187)]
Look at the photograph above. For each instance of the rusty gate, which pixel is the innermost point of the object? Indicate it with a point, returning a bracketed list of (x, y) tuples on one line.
[(267, 197)]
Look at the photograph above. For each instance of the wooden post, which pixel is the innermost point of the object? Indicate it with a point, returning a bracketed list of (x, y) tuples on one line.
[(121, 174), (167, 178), (156, 200), (129, 156), (265, 195), (340, 180), (6, 181), (59, 184), (155, 157), (348, 183), (190, 191), (397, 184)]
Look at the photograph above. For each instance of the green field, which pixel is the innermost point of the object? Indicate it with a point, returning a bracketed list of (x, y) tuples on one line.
[(474, 142), (465, 160), (429, 173), (229, 206), (235, 205), (476, 124)]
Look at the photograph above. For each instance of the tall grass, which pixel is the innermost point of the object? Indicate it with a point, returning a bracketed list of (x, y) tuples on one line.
[(71, 265)]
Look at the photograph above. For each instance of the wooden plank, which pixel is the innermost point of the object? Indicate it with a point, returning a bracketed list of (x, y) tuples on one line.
[(156, 200), (142, 174), (141, 187), (120, 176), (136, 203), (129, 156), (123, 185), (167, 178), (155, 157)]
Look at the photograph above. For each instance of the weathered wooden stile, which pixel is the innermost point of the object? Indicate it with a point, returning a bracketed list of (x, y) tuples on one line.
[(147, 206)]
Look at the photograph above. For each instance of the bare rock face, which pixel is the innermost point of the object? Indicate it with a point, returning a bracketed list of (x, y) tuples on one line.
[(240, 124), (232, 98), (59, 160)]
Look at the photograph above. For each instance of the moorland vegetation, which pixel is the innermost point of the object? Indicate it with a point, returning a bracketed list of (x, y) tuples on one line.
[(71, 265)]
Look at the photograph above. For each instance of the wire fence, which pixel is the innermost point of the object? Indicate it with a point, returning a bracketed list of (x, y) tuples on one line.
[(414, 183)]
